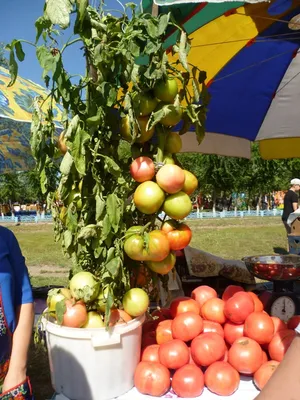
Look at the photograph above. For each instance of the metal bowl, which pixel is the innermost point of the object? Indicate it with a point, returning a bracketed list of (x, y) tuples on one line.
[(274, 268)]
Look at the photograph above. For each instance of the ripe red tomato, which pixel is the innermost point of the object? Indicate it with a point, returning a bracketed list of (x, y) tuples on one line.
[(150, 353), (208, 348), (188, 381), (221, 378), (245, 355), (142, 169), (225, 357), (187, 326), (148, 197), (213, 310), (184, 304), (233, 331), (258, 305), (174, 354), (203, 293), (279, 325), (164, 331), (179, 235), (210, 326), (152, 378), (293, 322), (264, 373), (259, 327), (170, 178), (118, 317), (231, 290), (162, 313), (148, 339), (280, 344), (238, 307), (75, 315)]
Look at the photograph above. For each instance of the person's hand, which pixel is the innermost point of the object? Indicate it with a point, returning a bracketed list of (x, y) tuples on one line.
[(13, 379)]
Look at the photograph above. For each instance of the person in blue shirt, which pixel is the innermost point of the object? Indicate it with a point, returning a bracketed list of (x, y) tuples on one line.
[(16, 319)]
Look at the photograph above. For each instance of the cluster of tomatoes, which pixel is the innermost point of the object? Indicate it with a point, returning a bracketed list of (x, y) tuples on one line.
[(206, 341), (83, 304), (273, 271)]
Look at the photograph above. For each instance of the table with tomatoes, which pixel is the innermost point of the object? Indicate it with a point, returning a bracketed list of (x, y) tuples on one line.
[(205, 347)]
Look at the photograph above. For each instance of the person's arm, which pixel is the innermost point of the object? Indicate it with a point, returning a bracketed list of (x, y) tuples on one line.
[(285, 382), (20, 345), (24, 317), (295, 202)]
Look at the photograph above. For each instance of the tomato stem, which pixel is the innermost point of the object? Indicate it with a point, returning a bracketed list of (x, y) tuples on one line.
[(161, 143)]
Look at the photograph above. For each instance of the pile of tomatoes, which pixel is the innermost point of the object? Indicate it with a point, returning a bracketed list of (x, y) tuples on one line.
[(83, 304), (206, 341)]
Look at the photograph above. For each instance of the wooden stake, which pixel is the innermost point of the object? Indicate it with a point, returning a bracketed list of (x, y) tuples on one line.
[(154, 9)]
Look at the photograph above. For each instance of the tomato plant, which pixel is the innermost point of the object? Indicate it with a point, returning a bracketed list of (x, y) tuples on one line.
[(203, 293), (238, 307), (187, 326), (188, 381), (208, 348), (245, 355), (184, 304), (264, 373), (152, 378), (260, 327), (174, 354), (179, 234), (280, 343), (221, 378), (213, 310)]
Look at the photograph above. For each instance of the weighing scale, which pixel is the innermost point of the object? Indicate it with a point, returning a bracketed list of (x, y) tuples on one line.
[(282, 301)]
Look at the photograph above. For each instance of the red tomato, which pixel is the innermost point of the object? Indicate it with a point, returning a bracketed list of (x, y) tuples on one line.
[(152, 378), (264, 357), (150, 353), (75, 315), (280, 344), (170, 178), (213, 310), (187, 326), (231, 290), (221, 378), (118, 317), (179, 235), (245, 355), (225, 357), (258, 305), (293, 322), (164, 331), (279, 325), (208, 348), (191, 358), (174, 354), (233, 331), (150, 326), (238, 307), (162, 313), (259, 327), (188, 381), (142, 169), (264, 373), (210, 326), (184, 304), (148, 339), (203, 293)]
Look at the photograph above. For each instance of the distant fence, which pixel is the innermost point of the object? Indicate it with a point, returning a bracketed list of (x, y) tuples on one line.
[(194, 215)]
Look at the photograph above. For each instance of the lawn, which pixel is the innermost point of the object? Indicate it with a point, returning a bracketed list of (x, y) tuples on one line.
[(228, 238)]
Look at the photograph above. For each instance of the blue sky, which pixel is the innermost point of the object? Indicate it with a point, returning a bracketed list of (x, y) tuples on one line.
[(17, 19)]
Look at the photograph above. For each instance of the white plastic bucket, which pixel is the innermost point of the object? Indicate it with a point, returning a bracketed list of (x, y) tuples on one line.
[(93, 364)]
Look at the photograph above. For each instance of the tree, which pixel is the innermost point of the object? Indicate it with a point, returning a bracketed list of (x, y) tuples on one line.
[(3, 60)]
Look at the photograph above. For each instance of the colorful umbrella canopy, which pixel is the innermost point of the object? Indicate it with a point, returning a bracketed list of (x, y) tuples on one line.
[(16, 106), (251, 55)]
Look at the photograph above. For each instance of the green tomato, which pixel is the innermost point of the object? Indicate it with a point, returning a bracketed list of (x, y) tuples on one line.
[(173, 143), (143, 104), (83, 286), (178, 205), (166, 90), (136, 302), (94, 320)]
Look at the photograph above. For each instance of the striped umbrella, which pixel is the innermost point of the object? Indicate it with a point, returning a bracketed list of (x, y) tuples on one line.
[(16, 107), (251, 55)]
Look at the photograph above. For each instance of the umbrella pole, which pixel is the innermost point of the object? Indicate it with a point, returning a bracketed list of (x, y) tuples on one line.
[(154, 9)]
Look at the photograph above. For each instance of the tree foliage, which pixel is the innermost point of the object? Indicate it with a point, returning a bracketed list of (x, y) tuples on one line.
[(3, 60)]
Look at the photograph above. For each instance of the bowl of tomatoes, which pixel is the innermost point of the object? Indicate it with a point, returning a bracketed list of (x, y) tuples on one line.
[(275, 267)]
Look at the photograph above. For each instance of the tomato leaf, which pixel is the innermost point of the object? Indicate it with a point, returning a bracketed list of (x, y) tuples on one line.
[(100, 206), (68, 238), (47, 60), (78, 149), (114, 265), (66, 164), (87, 232), (58, 12), (113, 211), (60, 309)]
